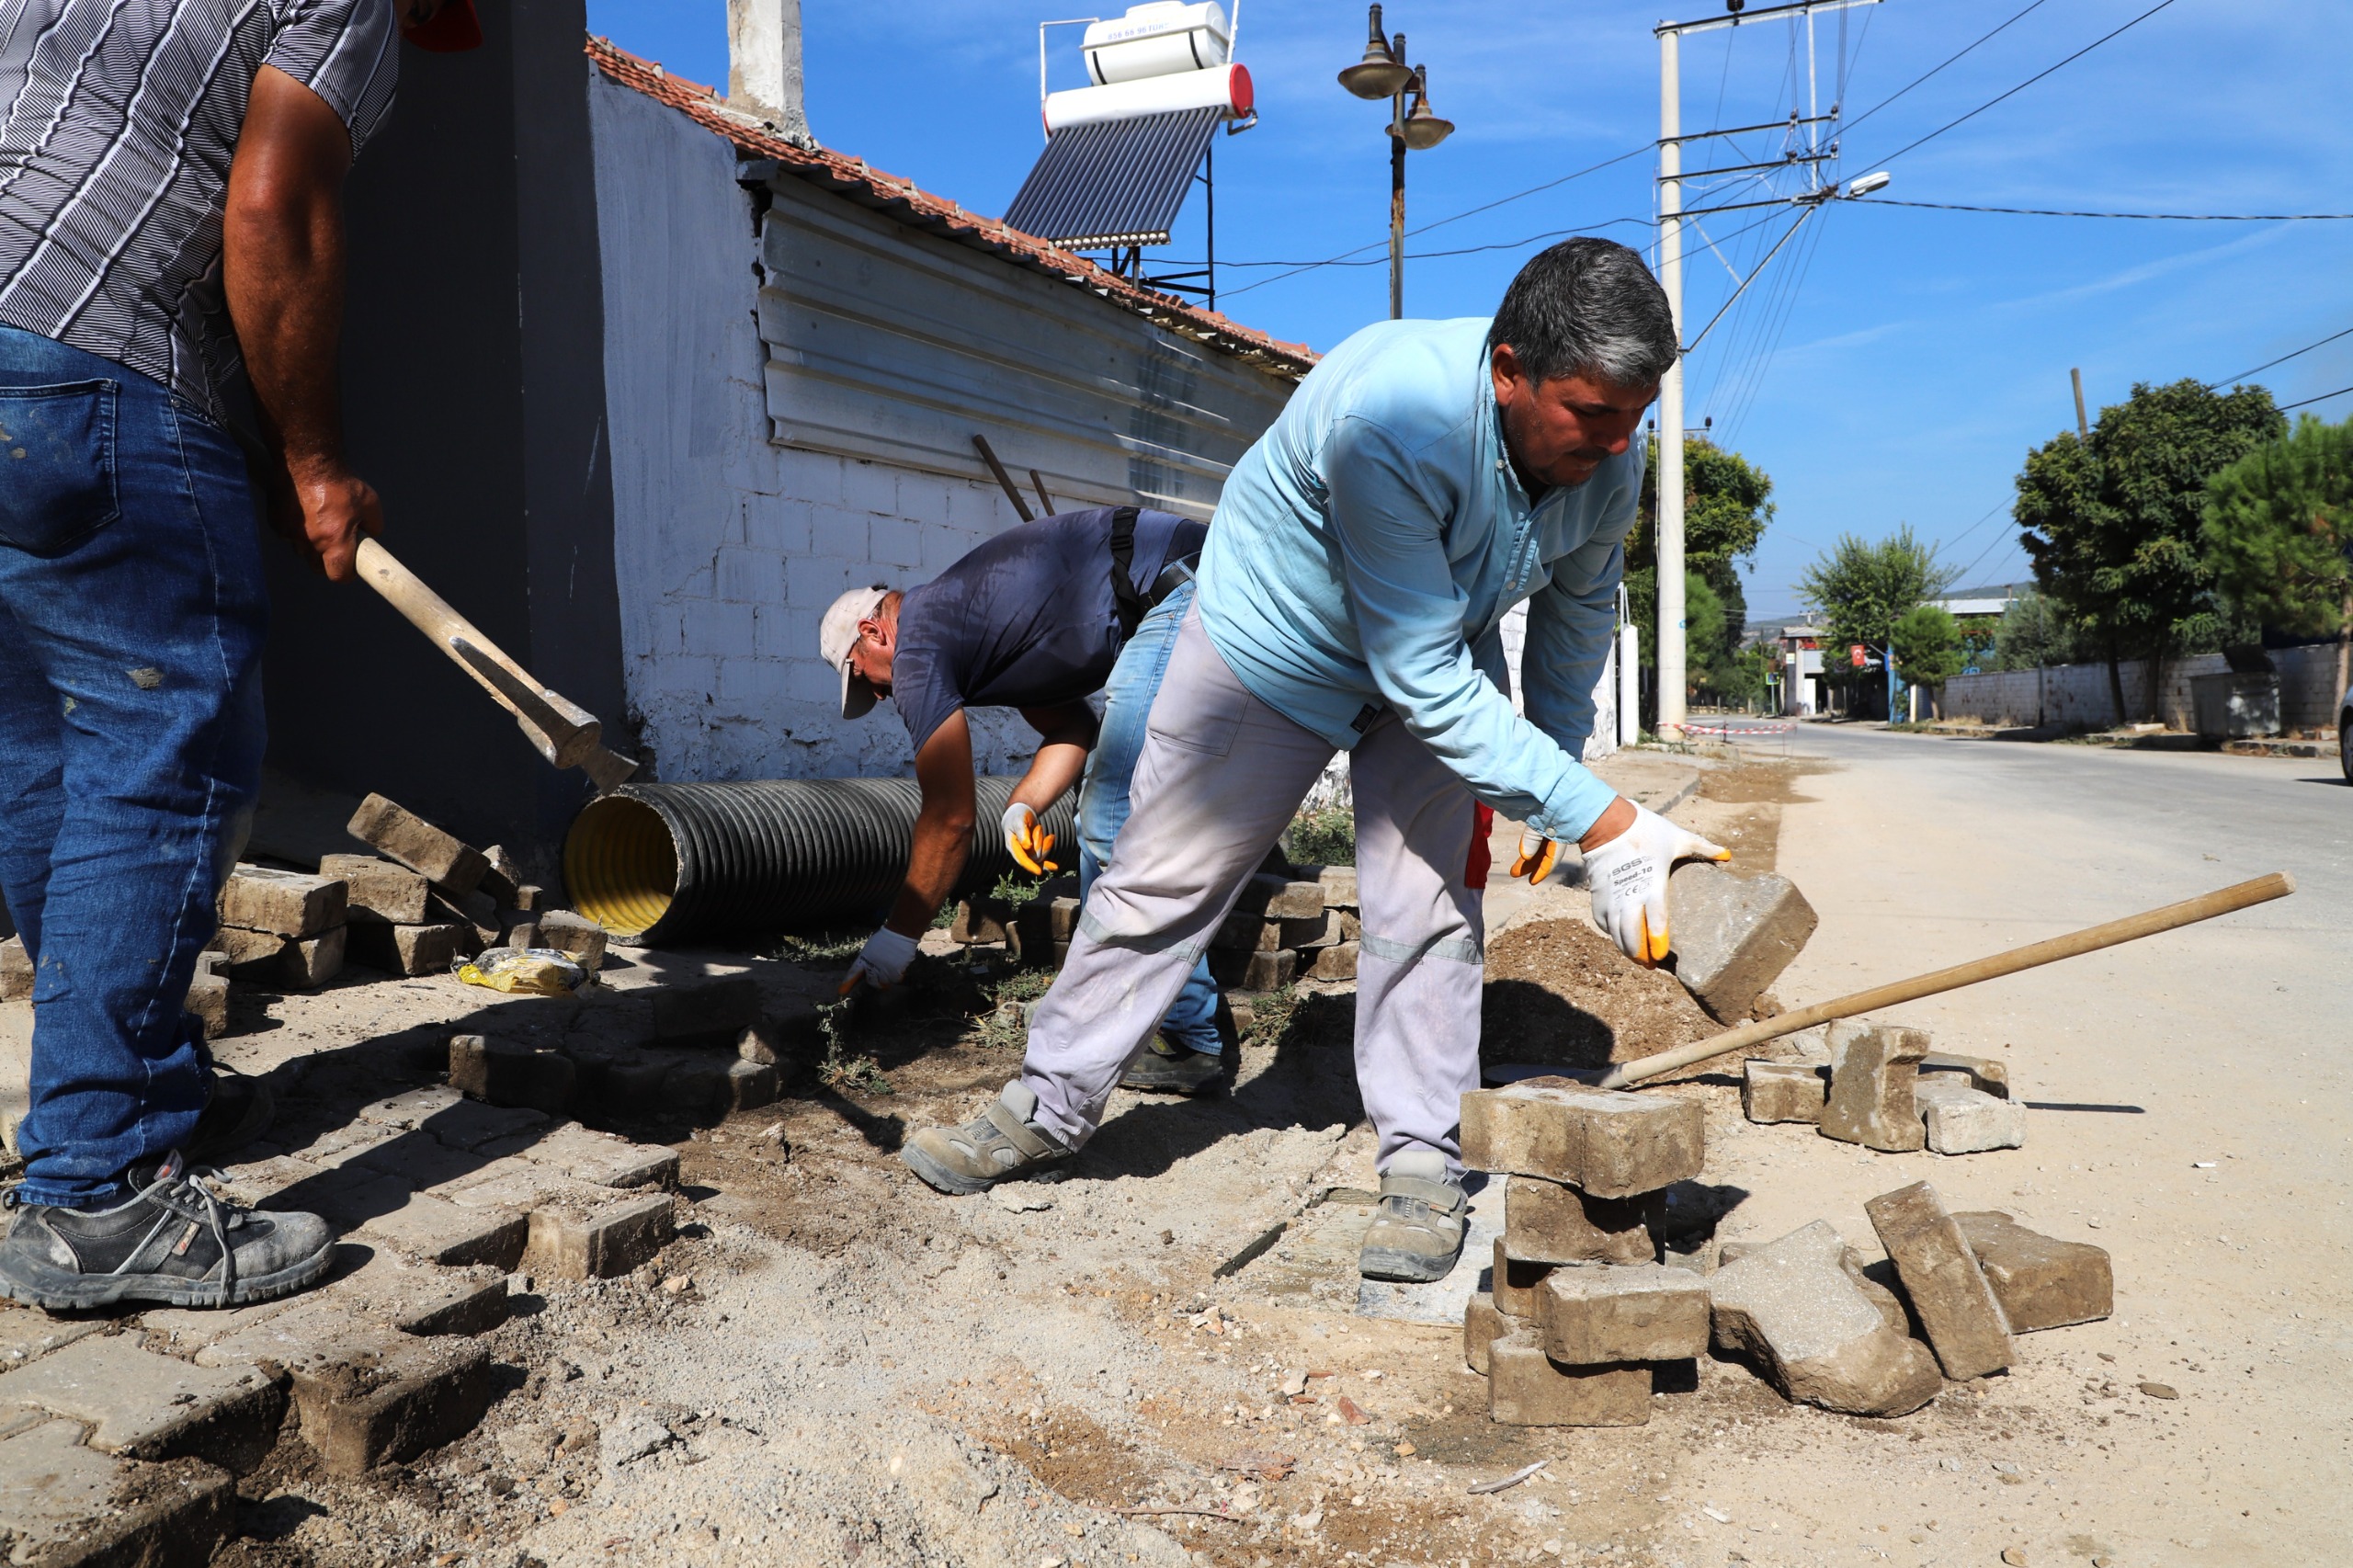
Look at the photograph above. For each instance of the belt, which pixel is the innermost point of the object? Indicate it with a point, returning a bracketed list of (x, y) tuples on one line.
[(1173, 577)]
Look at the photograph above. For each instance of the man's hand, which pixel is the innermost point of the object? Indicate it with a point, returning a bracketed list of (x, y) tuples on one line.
[(1026, 837), (325, 516), (1627, 875), (1535, 864), (883, 962)]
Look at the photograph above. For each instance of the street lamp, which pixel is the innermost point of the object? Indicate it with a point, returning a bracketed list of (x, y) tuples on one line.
[(1383, 73)]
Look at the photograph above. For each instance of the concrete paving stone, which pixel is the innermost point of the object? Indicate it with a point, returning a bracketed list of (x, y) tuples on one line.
[(63, 1505), (1483, 1323), (208, 998), (717, 1008), (1551, 1221), (1734, 933), (379, 892), (603, 1160), (1595, 1314), (1245, 931), (1321, 929), (469, 1124), (1528, 1388), (386, 1397), (1957, 1307), (462, 1305), (2041, 1281), (1609, 1143), (1784, 1091), (1255, 971), (409, 950), (1339, 885), (751, 1084), (1790, 1307), (1960, 1119), (408, 838), (1891, 1306), (1513, 1282), (1063, 918), (437, 1231), (1983, 1073), (575, 934), (610, 1240), (502, 1073), (421, 1160), (16, 971), (145, 1406), (308, 963), (1337, 961), (980, 920), (292, 903), (250, 955), (26, 1334), (1871, 1099), (695, 1085)]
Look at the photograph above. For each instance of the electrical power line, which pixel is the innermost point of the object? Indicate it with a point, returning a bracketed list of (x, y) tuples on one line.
[(2282, 361), (1917, 80), (2171, 217), (2021, 87), (2322, 398)]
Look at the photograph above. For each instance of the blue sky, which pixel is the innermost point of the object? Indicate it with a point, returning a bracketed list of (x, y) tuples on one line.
[(1892, 365)]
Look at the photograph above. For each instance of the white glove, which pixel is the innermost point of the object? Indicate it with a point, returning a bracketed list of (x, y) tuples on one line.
[(883, 961), (1628, 877), (1028, 839)]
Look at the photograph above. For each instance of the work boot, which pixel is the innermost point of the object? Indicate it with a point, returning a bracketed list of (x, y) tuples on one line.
[(1417, 1233), (175, 1242), (1001, 1141), (237, 1110), (1161, 1068)]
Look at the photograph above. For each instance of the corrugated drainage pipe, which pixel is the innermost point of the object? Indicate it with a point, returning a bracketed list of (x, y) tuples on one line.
[(663, 863)]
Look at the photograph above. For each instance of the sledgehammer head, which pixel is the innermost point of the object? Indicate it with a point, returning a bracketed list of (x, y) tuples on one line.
[(1734, 934)]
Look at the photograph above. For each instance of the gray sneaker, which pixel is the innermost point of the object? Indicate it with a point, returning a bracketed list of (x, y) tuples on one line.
[(1001, 1141), (1417, 1234), (1164, 1069), (175, 1242)]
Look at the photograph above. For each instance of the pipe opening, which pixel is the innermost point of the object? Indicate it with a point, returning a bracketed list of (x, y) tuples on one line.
[(620, 865)]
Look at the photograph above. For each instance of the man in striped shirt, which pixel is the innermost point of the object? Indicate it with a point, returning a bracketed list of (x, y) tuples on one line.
[(170, 248)]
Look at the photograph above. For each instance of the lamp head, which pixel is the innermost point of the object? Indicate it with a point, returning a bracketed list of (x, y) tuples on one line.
[(1423, 130), (1863, 184), (1381, 74)]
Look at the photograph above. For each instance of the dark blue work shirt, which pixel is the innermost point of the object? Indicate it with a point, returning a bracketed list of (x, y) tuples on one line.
[(1026, 620)]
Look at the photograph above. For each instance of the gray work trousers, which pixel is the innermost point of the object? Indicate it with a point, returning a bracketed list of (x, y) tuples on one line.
[(1219, 778)]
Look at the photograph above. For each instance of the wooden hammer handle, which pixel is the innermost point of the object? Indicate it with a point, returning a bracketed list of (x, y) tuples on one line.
[(2189, 912), (431, 614)]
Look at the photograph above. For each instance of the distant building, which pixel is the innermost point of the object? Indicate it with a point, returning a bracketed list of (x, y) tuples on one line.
[(1802, 686)]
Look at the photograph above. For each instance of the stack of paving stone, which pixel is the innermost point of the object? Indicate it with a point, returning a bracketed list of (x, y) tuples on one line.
[(282, 928), (427, 897), (1581, 1320), (1883, 1087)]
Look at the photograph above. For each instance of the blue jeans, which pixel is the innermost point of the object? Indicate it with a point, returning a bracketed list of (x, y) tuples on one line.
[(1191, 1019), (132, 616)]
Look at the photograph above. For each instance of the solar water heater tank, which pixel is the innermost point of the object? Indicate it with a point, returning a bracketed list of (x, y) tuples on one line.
[(1157, 40)]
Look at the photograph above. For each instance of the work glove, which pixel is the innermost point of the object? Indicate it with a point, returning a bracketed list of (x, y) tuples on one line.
[(881, 962), (1027, 838), (1627, 878), (1535, 864)]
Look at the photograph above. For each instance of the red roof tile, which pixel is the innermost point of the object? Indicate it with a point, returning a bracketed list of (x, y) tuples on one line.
[(901, 199)]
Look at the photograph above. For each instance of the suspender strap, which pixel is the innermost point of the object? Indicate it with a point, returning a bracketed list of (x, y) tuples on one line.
[(1126, 596)]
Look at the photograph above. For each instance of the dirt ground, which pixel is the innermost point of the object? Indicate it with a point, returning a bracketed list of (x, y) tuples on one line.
[(836, 1365)]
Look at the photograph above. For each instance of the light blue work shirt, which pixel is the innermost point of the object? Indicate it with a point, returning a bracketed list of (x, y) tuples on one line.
[(1369, 544)]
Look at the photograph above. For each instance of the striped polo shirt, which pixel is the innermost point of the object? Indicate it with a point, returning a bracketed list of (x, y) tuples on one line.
[(117, 121)]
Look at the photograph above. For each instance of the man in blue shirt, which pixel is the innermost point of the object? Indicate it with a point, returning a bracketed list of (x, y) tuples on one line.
[(1426, 477)]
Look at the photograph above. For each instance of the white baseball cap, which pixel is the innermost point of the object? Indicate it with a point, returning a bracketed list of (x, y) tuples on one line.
[(838, 634)]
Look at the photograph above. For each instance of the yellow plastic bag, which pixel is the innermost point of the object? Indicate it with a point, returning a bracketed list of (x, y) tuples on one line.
[(523, 971)]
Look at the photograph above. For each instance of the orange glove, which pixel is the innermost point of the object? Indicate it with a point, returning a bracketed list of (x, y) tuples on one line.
[(1028, 839), (1535, 864)]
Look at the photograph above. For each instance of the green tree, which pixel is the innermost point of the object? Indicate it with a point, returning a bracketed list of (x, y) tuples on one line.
[(1704, 624), (2033, 631), (2278, 535), (1726, 506), (1927, 646), (2113, 524), (1860, 590)]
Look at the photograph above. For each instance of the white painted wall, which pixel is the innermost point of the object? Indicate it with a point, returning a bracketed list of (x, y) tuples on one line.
[(2079, 694)]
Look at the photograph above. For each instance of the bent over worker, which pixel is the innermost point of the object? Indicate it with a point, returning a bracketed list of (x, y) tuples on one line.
[(1038, 618), (1423, 479)]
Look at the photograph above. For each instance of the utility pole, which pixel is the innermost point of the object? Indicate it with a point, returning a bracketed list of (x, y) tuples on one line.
[(1397, 199), (2082, 428)]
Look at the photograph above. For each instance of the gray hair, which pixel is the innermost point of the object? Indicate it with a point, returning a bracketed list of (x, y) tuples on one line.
[(1587, 307)]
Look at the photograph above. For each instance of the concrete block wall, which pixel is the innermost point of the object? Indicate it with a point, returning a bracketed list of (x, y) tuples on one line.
[(2079, 694)]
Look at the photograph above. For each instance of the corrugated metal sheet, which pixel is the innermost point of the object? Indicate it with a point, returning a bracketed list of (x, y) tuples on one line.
[(894, 345), (1116, 182)]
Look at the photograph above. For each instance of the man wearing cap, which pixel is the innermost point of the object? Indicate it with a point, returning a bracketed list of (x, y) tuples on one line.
[(1038, 618), (1426, 477), (170, 248)]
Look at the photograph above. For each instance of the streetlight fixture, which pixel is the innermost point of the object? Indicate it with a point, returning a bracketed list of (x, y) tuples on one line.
[(1383, 73)]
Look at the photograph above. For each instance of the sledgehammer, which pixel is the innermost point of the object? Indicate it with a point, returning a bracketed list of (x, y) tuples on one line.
[(2189, 912), (565, 733)]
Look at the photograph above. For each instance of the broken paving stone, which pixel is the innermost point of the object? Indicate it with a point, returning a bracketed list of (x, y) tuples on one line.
[(610, 1239), (1960, 1119), (1595, 1314), (1482, 1325), (503, 1073), (1528, 1388), (1957, 1308), (1335, 962), (411, 951), (1735, 933), (1607, 1142), (603, 1160), (379, 892), (2042, 1282), (67, 1506), (16, 969), (1982, 1072), (1772, 1092), (1514, 1283), (1819, 1339), (408, 838), (385, 1397), (1549, 1222), (1871, 1091), (145, 1406), (292, 904), (576, 935)]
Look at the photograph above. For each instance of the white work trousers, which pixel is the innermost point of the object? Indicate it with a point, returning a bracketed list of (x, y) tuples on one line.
[(1219, 778)]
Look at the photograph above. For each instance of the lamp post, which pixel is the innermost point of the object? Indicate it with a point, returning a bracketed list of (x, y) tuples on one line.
[(1383, 73)]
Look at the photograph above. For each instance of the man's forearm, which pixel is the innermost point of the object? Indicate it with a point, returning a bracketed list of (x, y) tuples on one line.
[(941, 846)]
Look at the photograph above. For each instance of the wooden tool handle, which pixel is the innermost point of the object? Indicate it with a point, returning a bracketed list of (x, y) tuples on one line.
[(2189, 912), (431, 614)]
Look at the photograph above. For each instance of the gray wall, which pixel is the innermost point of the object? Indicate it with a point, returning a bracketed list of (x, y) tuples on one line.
[(474, 403), (2079, 694)]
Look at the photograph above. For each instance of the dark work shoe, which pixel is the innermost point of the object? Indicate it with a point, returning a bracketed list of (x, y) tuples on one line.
[(175, 1244), (238, 1111), (1002, 1142), (1417, 1234), (1165, 1069)]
